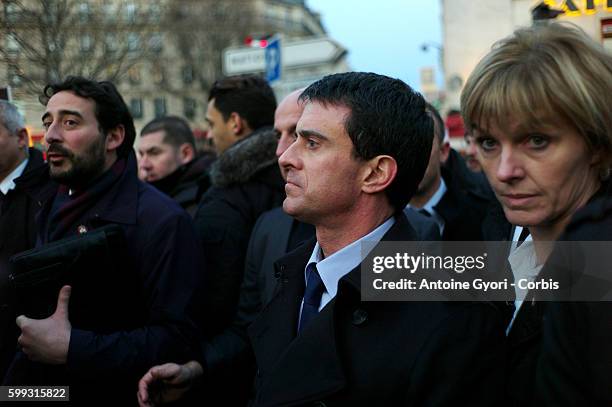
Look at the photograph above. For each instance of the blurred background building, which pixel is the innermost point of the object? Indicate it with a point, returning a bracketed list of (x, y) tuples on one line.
[(470, 27), (162, 54)]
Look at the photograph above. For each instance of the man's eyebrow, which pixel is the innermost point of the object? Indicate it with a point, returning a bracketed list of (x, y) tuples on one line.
[(64, 113), (151, 149), (311, 133)]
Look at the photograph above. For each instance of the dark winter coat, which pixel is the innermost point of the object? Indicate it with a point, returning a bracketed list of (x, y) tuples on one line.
[(187, 183), (18, 233), (575, 364), (140, 316), (356, 353), (246, 182), (465, 203)]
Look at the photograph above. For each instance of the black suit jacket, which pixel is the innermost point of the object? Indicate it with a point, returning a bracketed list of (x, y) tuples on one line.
[(374, 353), (463, 208), (274, 234), (17, 234)]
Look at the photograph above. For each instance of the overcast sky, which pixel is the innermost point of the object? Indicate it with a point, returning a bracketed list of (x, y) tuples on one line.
[(385, 36)]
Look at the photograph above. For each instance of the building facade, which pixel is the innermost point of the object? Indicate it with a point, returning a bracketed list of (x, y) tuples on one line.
[(471, 27), (162, 54)]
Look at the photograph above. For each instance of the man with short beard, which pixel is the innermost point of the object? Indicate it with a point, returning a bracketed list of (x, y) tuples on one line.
[(134, 313)]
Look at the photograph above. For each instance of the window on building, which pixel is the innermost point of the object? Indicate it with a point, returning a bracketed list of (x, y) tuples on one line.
[(12, 12), (155, 12), (12, 45), (84, 12), (130, 12), (133, 42), (160, 107), (156, 42), (188, 74), (110, 42), (14, 77), (86, 43), (108, 9), (189, 108), (136, 108)]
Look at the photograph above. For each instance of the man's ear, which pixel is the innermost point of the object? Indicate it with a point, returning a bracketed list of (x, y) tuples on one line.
[(444, 151), (380, 172), (236, 124), (115, 137), (186, 153), (23, 138)]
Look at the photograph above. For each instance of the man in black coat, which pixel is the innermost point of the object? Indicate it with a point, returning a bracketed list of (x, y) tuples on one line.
[(131, 305), (455, 198), (245, 182), (168, 160), (23, 176), (362, 146)]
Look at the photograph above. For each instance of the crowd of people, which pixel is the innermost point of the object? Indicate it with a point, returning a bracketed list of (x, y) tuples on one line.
[(153, 273)]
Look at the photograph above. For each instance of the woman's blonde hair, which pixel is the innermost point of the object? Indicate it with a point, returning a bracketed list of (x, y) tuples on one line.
[(546, 73)]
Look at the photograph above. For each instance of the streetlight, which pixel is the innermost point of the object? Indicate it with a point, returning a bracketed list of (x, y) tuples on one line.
[(426, 46)]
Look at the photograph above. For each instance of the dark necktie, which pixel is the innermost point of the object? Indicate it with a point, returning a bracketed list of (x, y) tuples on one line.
[(2, 196), (522, 236), (425, 212), (312, 296)]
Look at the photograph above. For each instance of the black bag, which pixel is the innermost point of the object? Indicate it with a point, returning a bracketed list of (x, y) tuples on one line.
[(86, 262)]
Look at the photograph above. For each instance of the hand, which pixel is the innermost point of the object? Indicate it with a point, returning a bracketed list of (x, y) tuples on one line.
[(166, 383), (47, 340)]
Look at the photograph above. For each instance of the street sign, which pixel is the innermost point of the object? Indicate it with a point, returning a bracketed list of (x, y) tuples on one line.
[(295, 54), (273, 60)]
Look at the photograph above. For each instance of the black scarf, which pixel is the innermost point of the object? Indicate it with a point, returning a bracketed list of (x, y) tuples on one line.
[(68, 210)]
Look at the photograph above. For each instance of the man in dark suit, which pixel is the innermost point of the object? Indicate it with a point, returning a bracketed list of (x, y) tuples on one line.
[(453, 197), (361, 148), (23, 176)]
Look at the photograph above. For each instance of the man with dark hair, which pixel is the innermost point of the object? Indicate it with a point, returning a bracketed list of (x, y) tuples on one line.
[(245, 182), (23, 176), (361, 149), (168, 160), (238, 105), (455, 198), (130, 305)]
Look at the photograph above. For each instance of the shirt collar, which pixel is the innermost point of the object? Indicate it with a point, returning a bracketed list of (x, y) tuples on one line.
[(435, 198), (433, 201), (336, 266), (8, 183)]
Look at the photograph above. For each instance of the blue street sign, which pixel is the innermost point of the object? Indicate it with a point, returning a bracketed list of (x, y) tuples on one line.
[(273, 60)]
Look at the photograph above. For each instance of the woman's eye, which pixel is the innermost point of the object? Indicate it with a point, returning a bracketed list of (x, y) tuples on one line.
[(538, 141), (486, 143)]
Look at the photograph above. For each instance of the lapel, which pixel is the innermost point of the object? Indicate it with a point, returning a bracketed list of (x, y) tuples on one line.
[(305, 367), (528, 322), (276, 325), (275, 248), (451, 205)]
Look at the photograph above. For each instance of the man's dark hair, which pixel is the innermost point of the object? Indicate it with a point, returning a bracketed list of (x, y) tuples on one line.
[(386, 118), (111, 110), (438, 123), (176, 130), (248, 95)]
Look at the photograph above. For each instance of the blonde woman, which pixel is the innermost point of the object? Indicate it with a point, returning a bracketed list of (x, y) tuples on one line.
[(539, 107)]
